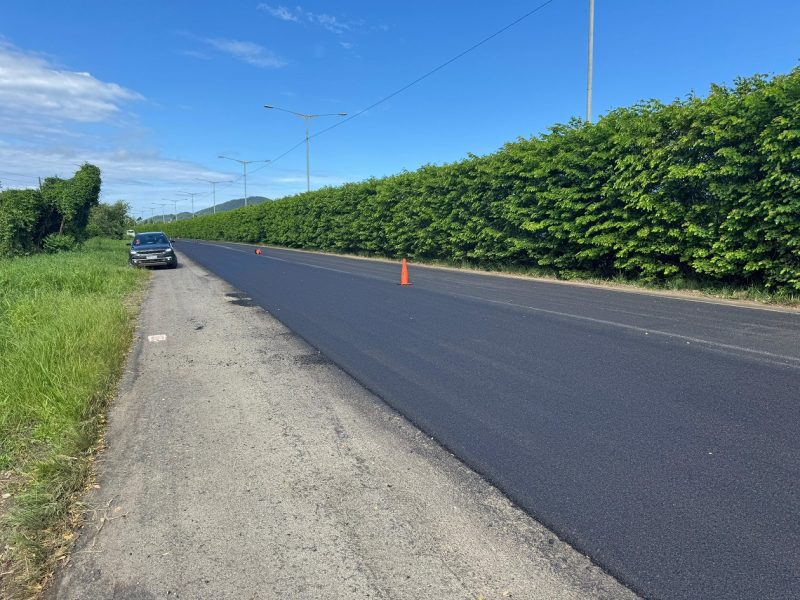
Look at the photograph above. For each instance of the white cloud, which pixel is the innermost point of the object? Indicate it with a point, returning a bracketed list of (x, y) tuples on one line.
[(31, 87), (86, 121), (276, 182), (290, 179), (329, 22), (280, 12), (52, 120), (196, 54), (248, 52), (346, 45), (139, 177)]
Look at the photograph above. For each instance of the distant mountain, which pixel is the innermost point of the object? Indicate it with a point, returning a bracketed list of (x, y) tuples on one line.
[(232, 204), (222, 207)]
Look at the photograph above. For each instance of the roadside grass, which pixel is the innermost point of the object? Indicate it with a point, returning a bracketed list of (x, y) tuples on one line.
[(66, 323)]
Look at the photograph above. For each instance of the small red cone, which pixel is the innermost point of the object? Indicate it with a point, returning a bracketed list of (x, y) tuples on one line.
[(404, 273), (258, 251)]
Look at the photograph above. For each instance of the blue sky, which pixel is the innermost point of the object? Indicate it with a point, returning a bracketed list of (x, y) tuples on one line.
[(153, 91)]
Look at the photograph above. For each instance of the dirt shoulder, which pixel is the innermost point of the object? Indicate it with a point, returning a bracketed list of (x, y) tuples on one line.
[(240, 463)]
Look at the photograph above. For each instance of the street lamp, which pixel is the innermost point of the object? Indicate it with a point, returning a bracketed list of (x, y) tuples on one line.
[(192, 194), (214, 190), (163, 216), (306, 118), (175, 204), (591, 61), (244, 164)]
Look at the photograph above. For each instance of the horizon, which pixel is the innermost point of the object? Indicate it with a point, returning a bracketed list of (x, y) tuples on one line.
[(155, 102)]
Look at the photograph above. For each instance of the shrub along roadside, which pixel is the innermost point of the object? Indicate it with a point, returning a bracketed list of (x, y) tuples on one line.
[(66, 323), (54, 217), (700, 190)]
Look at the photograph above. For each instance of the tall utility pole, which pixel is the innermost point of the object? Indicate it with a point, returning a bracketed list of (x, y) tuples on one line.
[(175, 203), (306, 118), (214, 191), (591, 61), (163, 215), (192, 194), (244, 164)]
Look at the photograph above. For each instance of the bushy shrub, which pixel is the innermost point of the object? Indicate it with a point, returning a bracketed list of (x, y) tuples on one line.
[(109, 220), (61, 206), (59, 242), (20, 211), (701, 188)]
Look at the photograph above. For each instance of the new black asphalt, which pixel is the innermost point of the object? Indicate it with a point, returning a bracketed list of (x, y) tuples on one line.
[(659, 435)]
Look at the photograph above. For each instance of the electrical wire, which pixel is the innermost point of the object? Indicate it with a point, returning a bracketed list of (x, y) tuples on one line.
[(411, 84)]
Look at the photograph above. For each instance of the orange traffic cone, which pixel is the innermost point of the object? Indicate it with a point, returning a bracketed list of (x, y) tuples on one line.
[(258, 251), (404, 273)]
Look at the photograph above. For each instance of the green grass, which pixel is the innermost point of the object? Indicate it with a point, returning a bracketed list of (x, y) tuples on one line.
[(66, 322)]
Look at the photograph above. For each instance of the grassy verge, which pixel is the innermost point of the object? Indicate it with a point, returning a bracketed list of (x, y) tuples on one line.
[(66, 323)]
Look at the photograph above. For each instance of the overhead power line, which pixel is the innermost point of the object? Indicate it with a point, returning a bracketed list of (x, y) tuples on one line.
[(416, 81)]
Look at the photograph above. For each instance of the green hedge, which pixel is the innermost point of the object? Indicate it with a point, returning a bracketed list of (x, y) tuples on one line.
[(702, 188), (59, 208)]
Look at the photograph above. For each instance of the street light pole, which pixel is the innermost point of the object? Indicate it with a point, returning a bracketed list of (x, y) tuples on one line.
[(306, 118), (591, 61), (192, 194), (244, 164), (214, 190), (163, 215), (175, 203), (308, 157)]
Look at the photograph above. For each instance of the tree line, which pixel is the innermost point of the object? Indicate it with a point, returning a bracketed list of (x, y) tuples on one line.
[(699, 188)]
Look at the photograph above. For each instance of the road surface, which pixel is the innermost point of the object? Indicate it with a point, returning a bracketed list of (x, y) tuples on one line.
[(241, 464), (658, 435)]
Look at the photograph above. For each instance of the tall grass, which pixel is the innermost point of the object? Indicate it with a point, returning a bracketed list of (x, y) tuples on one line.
[(65, 327)]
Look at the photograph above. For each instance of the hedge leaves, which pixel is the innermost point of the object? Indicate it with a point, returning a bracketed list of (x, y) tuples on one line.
[(703, 188)]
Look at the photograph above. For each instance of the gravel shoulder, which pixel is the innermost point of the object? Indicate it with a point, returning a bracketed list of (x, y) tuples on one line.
[(241, 463)]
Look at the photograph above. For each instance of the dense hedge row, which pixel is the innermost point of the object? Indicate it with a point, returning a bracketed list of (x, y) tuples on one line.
[(699, 188), (53, 217)]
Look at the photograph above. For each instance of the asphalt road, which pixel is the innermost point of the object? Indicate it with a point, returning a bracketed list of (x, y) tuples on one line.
[(241, 464), (660, 436)]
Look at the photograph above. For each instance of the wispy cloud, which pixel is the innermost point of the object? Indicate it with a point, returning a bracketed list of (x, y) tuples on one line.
[(330, 23), (247, 52), (196, 54), (31, 88), (279, 12), (300, 15), (53, 119), (137, 176)]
